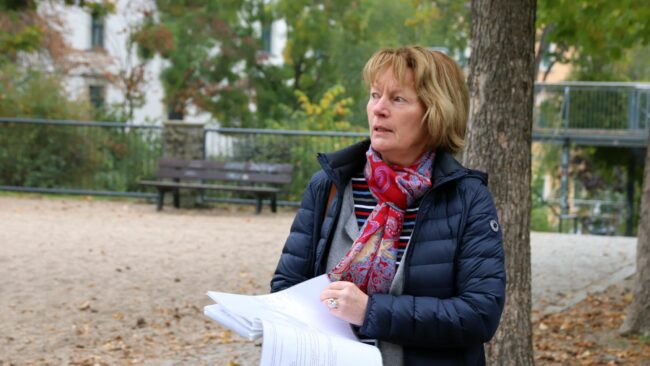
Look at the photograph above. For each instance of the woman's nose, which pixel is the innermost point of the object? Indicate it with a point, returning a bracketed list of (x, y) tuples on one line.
[(380, 108)]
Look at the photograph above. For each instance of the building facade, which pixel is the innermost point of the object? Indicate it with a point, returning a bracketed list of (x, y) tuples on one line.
[(107, 69)]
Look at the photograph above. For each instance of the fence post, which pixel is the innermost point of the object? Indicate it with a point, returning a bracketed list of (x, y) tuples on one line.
[(633, 110), (184, 140), (564, 184), (566, 106)]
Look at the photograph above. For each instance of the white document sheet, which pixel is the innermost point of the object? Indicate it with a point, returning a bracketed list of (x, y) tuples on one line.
[(299, 306), (297, 328), (285, 345)]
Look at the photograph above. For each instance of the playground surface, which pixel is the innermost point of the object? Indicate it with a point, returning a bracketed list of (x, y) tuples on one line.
[(94, 282)]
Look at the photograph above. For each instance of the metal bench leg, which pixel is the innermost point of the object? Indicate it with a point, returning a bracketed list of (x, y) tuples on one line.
[(161, 199), (258, 207), (177, 198), (274, 204)]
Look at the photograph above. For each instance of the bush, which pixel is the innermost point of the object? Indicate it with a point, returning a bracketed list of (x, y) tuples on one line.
[(60, 156)]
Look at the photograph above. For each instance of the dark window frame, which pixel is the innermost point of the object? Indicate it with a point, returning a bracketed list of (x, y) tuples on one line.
[(267, 38), (97, 31), (97, 95)]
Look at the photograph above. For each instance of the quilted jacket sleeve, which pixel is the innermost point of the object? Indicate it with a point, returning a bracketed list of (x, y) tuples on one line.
[(467, 319), (295, 264)]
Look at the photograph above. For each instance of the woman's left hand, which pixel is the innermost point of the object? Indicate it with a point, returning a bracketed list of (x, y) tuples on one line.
[(351, 302)]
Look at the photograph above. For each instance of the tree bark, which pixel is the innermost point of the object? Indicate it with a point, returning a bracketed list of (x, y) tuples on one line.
[(498, 141), (637, 320)]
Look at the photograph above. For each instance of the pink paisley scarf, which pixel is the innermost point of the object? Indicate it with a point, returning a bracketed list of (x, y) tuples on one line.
[(370, 262)]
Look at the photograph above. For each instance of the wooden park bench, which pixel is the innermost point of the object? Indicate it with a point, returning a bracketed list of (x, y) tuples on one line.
[(263, 180)]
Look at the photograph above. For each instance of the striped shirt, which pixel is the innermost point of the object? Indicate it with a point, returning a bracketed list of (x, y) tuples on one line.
[(364, 203)]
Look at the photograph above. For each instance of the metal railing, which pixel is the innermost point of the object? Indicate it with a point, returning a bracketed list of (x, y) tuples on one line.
[(76, 157), (592, 113), (109, 158)]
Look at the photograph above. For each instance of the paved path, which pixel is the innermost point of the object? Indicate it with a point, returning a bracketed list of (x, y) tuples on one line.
[(566, 268)]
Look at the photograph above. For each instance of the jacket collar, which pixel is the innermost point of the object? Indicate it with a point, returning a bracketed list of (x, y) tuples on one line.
[(446, 169), (340, 166), (343, 164)]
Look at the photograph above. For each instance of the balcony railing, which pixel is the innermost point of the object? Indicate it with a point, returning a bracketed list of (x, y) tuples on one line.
[(592, 113)]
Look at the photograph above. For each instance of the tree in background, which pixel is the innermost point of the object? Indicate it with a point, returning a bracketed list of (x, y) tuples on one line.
[(30, 38), (213, 53), (637, 320), (499, 143), (589, 34), (329, 43), (214, 49)]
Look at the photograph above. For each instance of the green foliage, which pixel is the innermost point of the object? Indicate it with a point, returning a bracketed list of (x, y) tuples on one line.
[(64, 156), (216, 63), (33, 93), (591, 34), (328, 114), (329, 43), (28, 39), (18, 33), (212, 47), (17, 5), (99, 8), (633, 66), (539, 220)]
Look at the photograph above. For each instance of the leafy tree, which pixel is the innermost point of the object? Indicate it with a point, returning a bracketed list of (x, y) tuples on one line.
[(590, 34), (215, 62), (23, 31), (329, 42), (213, 50), (328, 114)]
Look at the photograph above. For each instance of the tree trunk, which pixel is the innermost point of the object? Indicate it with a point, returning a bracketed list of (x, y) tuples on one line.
[(501, 83), (638, 313), (542, 50)]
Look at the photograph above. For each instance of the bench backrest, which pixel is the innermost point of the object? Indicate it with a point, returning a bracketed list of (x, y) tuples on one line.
[(226, 171)]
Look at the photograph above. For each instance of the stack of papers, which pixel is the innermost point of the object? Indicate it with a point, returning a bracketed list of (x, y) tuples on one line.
[(297, 328)]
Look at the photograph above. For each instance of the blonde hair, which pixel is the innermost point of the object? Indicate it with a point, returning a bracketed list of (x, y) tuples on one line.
[(440, 85)]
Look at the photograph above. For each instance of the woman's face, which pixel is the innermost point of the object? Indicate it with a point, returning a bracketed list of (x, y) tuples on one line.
[(395, 119)]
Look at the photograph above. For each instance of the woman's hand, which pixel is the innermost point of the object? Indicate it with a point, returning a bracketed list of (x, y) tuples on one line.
[(351, 302)]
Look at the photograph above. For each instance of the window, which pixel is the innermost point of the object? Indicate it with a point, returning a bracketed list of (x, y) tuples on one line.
[(175, 115), (266, 38), (96, 95), (97, 31)]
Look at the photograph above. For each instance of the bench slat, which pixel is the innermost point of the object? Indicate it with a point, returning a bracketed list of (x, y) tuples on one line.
[(210, 186), (269, 168), (198, 174)]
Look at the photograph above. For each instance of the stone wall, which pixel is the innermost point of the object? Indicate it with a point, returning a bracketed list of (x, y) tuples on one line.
[(183, 140)]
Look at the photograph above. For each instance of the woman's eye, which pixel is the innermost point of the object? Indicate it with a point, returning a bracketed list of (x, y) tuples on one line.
[(374, 95), (400, 99)]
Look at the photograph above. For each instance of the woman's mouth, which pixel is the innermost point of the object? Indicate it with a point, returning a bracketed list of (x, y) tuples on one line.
[(381, 129)]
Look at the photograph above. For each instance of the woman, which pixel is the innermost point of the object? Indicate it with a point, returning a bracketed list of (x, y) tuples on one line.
[(410, 238)]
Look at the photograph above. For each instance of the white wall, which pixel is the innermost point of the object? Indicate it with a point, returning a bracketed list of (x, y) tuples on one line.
[(115, 57)]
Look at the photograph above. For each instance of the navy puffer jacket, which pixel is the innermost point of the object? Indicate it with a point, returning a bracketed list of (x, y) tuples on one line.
[(454, 279)]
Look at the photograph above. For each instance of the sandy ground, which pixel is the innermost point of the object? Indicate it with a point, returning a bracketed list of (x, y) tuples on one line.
[(87, 282)]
